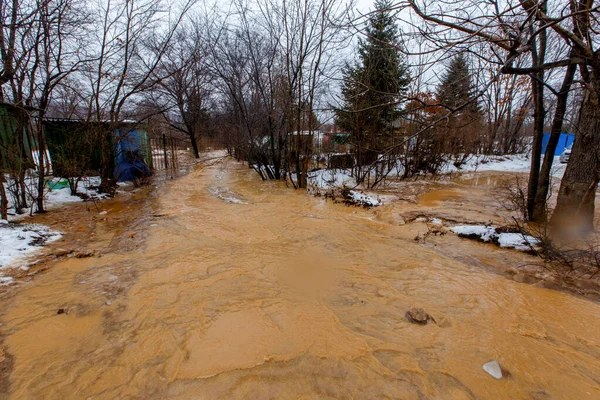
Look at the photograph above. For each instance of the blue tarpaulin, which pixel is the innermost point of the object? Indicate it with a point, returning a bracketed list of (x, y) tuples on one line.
[(565, 141), (129, 147)]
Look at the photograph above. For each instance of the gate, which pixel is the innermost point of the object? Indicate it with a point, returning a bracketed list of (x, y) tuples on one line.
[(165, 152)]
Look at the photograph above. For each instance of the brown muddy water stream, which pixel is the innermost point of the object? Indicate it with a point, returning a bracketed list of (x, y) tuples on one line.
[(236, 289)]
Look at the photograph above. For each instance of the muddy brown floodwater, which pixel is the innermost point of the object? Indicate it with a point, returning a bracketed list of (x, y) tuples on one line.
[(250, 290)]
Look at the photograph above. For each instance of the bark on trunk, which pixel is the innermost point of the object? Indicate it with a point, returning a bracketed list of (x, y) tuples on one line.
[(194, 144), (3, 198), (539, 115), (42, 165), (536, 146), (539, 213), (575, 203), (105, 157)]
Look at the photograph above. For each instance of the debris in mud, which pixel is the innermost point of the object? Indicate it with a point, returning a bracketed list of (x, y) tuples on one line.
[(504, 236), (417, 315), (59, 253), (61, 311), (62, 252), (86, 254), (159, 215), (493, 368)]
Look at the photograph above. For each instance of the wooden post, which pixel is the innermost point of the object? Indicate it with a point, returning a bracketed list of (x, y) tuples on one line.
[(165, 150)]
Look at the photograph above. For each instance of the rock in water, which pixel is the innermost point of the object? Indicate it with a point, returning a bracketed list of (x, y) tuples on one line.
[(493, 368), (417, 315)]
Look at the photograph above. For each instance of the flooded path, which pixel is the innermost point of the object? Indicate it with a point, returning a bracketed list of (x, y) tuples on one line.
[(250, 290)]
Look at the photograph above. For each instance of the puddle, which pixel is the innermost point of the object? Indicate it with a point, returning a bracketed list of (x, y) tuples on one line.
[(436, 197)]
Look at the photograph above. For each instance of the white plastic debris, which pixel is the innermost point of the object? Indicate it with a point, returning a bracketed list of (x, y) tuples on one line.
[(493, 368)]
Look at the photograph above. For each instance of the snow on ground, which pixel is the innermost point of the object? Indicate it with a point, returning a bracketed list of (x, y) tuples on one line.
[(18, 241), (363, 199), (21, 240), (340, 179), (57, 193), (508, 163), (331, 179), (490, 234)]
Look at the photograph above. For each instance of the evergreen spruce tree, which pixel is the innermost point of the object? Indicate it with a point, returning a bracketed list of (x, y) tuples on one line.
[(460, 133), (373, 89), (457, 87)]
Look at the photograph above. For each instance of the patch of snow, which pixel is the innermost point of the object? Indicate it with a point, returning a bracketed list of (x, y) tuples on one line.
[(56, 193), (490, 234), (486, 233), (331, 179), (436, 221), (516, 241), (506, 163), (366, 200), (18, 241)]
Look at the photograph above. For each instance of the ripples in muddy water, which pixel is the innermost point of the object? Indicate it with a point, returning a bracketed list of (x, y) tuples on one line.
[(229, 301)]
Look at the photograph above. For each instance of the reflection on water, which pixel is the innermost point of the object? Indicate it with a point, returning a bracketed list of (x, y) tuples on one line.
[(436, 197), (259, 300), (489, 179)]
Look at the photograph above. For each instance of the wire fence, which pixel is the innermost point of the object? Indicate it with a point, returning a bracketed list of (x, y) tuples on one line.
[(165, 152)]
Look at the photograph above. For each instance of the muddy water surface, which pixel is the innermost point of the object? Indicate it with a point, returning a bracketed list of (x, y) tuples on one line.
[(249, 290)]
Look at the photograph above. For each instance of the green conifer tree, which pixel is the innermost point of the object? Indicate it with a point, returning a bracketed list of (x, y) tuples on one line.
[(373, 89), (457, 86)]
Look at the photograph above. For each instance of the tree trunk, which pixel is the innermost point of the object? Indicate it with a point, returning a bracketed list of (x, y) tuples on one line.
[(105, 158), (575, 203), (42, 166), (539, 115), (3, 198), (536, 145), (194, 144), (539, 206)]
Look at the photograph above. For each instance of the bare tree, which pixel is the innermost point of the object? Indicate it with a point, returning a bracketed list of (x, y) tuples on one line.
[(308, 32), (134, 37), (184, 95), (521, 29)]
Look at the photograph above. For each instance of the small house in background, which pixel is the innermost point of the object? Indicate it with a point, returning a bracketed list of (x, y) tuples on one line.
[(75, 148), (564, 142)]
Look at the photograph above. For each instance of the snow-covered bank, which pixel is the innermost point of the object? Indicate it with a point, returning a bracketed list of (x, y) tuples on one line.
[(492, 234), (508, 163), (331, 179), (21, 240), (361, 199), (57, 193), (18, 241), (328, 181)]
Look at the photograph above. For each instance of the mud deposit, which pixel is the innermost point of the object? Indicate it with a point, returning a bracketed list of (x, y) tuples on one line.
[(277, 294)]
